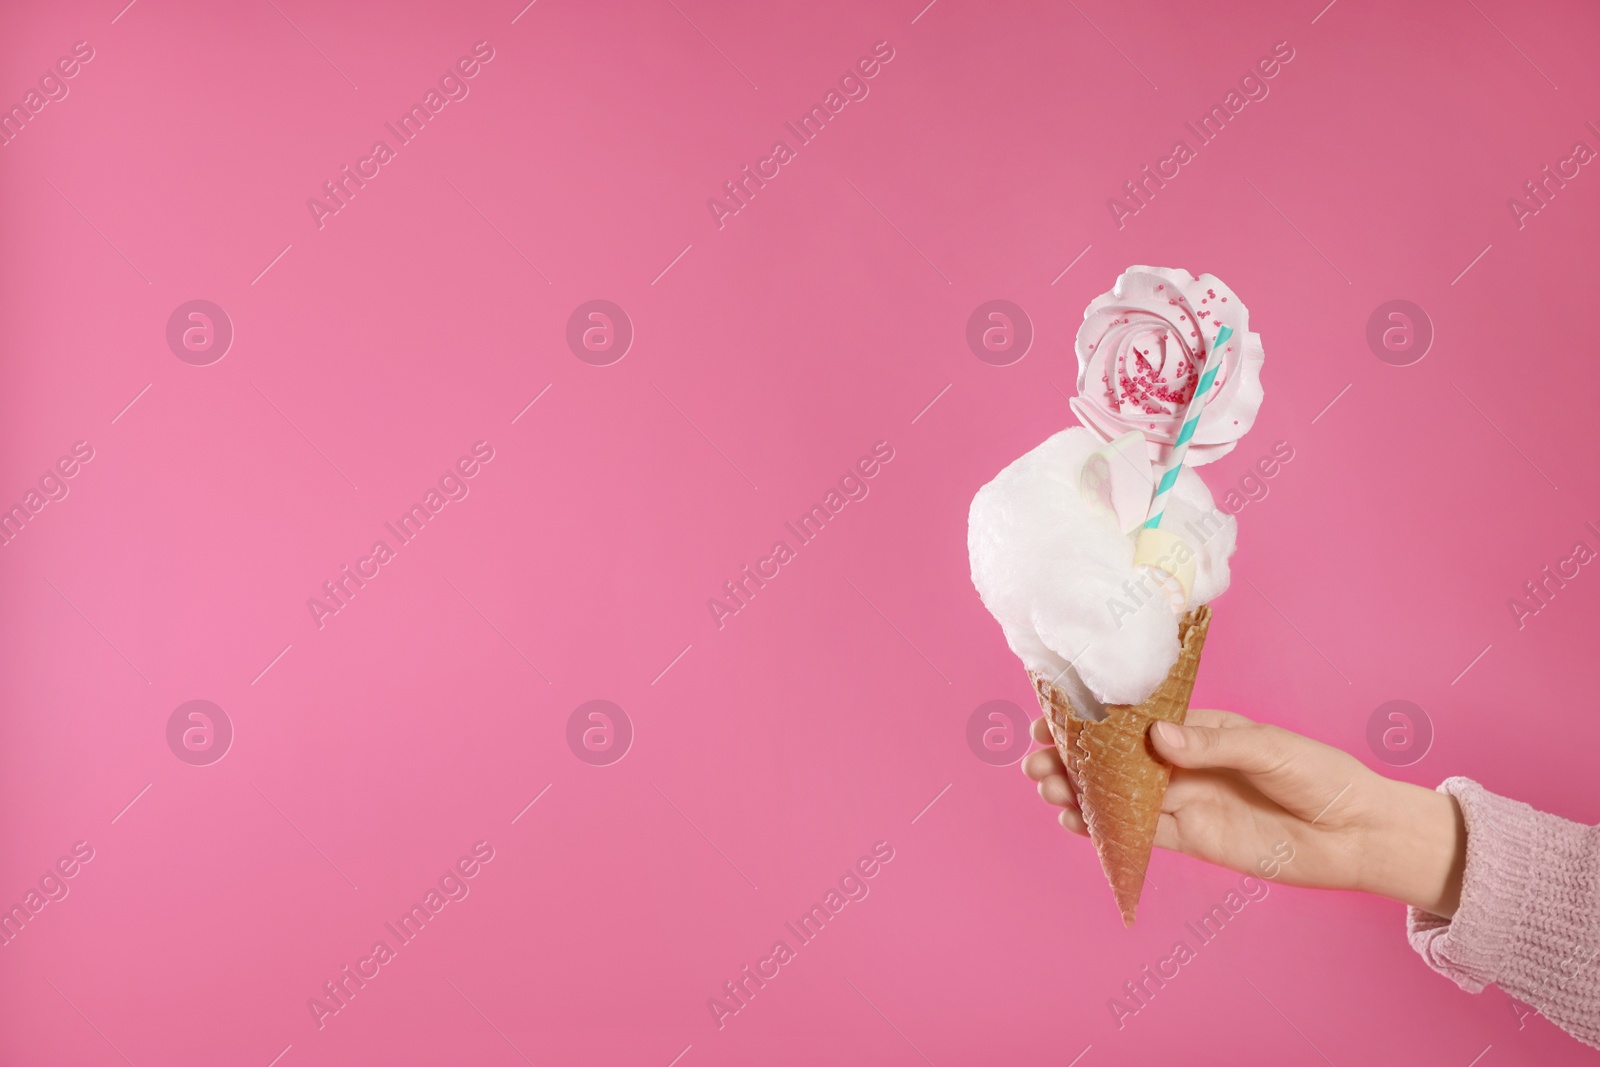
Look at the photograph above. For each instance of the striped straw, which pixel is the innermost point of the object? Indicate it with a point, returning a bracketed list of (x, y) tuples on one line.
[(1191, 419)]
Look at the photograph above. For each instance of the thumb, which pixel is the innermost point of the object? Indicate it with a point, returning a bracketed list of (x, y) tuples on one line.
[(1301, 774), (1252, 749)]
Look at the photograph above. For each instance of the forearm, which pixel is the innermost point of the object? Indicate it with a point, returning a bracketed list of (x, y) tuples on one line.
[(1417, 851)]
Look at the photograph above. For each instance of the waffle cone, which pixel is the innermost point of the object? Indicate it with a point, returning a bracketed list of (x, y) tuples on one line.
[(1119, 781)]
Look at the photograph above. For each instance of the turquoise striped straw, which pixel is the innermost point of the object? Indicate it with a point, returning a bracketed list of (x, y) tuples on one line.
[(1191, 419)]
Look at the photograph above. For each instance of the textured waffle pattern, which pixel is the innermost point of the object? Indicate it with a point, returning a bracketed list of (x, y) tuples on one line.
[(1119, 781)]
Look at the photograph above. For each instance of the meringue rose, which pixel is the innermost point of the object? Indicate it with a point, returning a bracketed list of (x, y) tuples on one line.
[(1140, 350)]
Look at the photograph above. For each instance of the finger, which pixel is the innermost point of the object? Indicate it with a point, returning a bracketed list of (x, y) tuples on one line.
[(1072, 819), (1253, 750), (1043, 763), (1167, 834), (1058, 791), (1040, 731), (1294, 771), (1215, 717), (1190, 788)]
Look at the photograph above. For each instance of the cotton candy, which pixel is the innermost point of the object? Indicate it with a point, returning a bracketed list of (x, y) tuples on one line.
[(1058, 574)]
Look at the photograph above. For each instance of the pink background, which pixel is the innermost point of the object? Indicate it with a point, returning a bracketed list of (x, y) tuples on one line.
[(771, 753)]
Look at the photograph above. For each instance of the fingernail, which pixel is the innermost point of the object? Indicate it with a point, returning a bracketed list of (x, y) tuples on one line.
[(1171, 735)]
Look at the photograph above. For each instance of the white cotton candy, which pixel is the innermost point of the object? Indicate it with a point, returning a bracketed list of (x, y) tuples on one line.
[(1059, 576)]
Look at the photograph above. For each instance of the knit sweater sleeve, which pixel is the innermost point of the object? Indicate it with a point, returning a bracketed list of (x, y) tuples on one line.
[(1529, 920)]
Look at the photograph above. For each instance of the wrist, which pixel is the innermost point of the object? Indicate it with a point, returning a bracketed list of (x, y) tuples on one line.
[(1417, 850)]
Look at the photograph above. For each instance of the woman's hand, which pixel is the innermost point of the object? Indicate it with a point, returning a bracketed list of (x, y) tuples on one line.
[(1240, 790)]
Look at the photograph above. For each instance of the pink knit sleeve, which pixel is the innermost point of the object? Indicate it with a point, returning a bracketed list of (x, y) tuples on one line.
[(1529, 920)]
